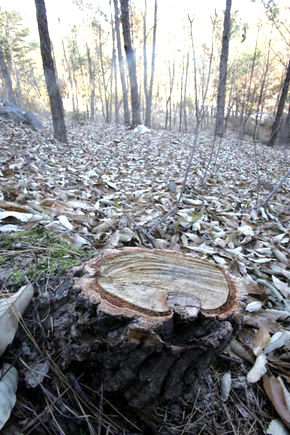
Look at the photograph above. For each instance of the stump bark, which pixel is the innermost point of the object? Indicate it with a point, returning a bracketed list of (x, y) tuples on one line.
[(146, 322)]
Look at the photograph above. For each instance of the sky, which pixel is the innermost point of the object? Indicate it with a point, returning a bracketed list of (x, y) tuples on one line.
[(68, 12), (63, 13), (172, 17)]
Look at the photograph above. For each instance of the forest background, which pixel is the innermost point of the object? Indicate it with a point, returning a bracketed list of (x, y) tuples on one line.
[(184, 71)]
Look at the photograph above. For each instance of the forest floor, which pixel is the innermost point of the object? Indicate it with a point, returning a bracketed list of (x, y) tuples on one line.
[(106, 189)]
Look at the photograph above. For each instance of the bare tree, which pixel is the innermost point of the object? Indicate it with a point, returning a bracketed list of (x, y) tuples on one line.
[(285, 130), (56, 105), (7, 78), (131, 61), (280, 108), (92, 84), (68, 67), (185, 94), (148, 90), (250, 98), (219, 126), (106, 108), (168, 114), (260, 103), (121, 66), (181, 98), (114, 68)]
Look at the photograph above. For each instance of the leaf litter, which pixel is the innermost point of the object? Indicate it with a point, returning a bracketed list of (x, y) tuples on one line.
[(110, 186)]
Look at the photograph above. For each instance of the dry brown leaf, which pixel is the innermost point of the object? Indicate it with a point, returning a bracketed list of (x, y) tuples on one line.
[(279, 396), (241, 351), (262, 337)]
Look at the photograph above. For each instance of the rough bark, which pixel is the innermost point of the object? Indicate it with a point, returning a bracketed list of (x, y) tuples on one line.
[(219, 126), (55, 100), (131, 61), (147, 322), (7, 78), (281, 104)]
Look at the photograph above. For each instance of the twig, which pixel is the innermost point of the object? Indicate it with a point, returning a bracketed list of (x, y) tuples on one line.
[(147, 235), (278, 185), (216, 157), (163, 219), (229, 417), (258, 173), (209, 163)]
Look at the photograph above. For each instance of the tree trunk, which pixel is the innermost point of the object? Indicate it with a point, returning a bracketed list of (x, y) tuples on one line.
[(284, 138), (56, 105), (147, 322), (148, 113), (145, 63), (121, 66), (261, 95), (131, 61), (219, 126), (92, 85), (7, 79), (181, 98), (249, 98), (69, 76), (185, 94), (168, 116), (114, 65), (105, 87), (230, 103), (281, 104)]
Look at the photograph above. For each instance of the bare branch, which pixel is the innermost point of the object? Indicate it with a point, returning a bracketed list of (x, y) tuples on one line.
[(276, 188)]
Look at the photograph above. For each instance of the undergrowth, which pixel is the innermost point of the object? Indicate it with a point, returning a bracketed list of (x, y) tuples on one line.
[(29, 255)]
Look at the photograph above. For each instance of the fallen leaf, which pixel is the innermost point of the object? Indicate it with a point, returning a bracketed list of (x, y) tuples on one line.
[(22, 217), (8, 387), (65, 222), (254, 306), (279, 396), (11, 310), (226, 385), (261, 338), (258, 369), (276, 427), (280, 256), (277, 340), (241, 351)]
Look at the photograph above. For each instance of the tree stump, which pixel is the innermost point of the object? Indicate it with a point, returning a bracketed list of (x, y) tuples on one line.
[(147, 322)]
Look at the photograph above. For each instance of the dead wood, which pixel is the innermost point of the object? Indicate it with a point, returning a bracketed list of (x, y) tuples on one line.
[(147, 322)]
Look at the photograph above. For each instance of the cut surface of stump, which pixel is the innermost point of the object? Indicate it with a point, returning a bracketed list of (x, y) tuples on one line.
[(147, 321)]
